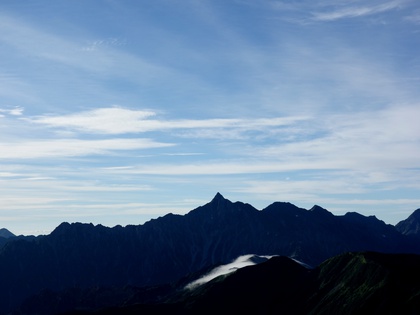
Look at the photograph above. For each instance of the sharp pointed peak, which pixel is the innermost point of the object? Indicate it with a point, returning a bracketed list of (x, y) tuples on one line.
[(218, 196)]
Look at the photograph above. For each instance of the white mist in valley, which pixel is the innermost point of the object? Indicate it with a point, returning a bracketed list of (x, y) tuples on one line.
[(240, 262)]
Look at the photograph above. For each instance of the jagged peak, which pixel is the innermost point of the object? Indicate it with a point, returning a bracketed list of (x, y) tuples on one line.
[(219, 201), (65, 227), (218, 197), (319, 209), (220, 205)]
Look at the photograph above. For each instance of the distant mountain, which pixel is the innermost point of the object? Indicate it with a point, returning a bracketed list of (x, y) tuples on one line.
[(351, 283), (6, 233), (5, 236), (411, 225), (166, 249)]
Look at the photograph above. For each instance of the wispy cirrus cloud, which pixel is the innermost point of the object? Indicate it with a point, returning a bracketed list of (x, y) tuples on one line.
[(69, 51), (357, 11), (15, 111), (42, 60), (353, 141), (92, 132), (117, 120), (51, 148), (414, 17)]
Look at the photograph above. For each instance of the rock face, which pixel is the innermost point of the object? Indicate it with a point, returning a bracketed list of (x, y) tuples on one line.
[(411, 225), (165, 249)]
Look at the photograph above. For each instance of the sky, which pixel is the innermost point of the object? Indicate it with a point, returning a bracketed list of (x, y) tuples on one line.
[(118, 111)]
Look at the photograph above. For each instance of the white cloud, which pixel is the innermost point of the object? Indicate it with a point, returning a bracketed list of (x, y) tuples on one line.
[(72, 147), (16, 111), (8, 174), (112, 120), (117, 120), (329, 184), (228, 167), (354, 12), (369, 141)]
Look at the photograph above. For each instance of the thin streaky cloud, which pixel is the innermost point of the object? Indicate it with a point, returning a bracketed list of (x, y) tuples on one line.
[(354, 12), (16, 111), (70, 53), (233, 167), (9, 174), (117, 120), (414, 17), (73, 147)]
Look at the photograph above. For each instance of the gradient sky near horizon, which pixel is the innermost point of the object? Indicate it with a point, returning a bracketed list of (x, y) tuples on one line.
[(119, 111)]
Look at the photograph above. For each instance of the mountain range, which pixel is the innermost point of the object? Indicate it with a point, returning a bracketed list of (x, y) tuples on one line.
[(164, 250)]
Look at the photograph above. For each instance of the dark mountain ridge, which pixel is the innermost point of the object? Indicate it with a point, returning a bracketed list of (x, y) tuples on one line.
[(350, 283), (5, 233), (166, 249)]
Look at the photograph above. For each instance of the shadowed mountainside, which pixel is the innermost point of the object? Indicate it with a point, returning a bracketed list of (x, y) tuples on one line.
[(6, 233), (411, 225), (351, 283), (164, 250), (5, 236)]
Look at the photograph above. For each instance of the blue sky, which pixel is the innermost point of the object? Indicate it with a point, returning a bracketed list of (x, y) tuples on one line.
[(115, 112)]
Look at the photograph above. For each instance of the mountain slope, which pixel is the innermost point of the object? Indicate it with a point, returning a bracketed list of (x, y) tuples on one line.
[(367, 283), (165, 249), (5, 236), (6, 233), (359, 283), (411, 225), (352, 283)]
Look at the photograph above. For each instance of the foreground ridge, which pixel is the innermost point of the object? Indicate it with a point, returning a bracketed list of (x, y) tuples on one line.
[(351, 283)]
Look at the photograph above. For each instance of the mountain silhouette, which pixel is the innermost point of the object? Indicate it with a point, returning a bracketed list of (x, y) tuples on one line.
[(350, 283), (166, 249)]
